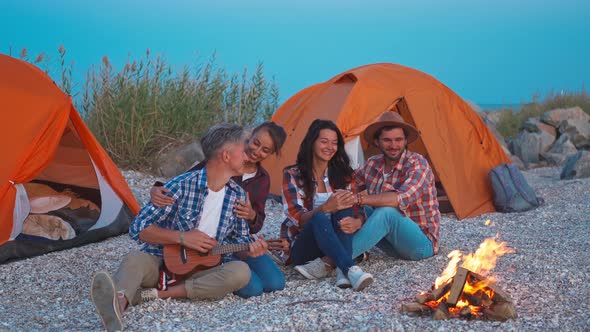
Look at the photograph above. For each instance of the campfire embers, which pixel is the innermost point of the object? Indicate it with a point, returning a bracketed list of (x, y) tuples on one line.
[(467, 291)]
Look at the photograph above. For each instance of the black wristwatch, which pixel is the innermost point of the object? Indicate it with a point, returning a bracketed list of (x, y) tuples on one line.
[(158, 184)]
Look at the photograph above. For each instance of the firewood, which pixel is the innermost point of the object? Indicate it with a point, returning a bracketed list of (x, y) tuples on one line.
[(465, 312), (417, 309), (442, 312), (499, 296), (439, 292), (458, 284), (500, 311), (485, 300), (474, 299), (422, 298)]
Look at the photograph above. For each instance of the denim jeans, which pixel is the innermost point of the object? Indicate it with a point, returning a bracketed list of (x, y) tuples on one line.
[(265, 276), (392, 232), (321, 236)]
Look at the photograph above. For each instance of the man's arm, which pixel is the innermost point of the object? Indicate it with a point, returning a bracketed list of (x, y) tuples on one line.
[(388, 198), (152, 215), (410, 190)]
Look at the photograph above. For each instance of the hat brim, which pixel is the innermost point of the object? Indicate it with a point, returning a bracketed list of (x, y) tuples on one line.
[(411, 132)]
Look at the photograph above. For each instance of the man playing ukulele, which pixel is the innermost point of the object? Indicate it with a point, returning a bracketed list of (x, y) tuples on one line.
[(200, 219)]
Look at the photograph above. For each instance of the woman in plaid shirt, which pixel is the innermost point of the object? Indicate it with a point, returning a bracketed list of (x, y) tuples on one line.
[(265, 140), (318, 200)]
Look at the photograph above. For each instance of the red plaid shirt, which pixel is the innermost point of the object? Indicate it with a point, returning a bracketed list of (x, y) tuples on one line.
[(412, 179)]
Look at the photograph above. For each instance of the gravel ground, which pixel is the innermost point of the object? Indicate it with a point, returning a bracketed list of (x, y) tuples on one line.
[(548, 278)]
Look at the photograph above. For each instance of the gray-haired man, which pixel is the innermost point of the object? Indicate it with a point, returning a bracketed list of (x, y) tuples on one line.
[(200, 218)]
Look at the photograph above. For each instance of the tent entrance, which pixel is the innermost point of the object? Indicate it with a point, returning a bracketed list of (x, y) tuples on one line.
[(401, 106), (65, 200)]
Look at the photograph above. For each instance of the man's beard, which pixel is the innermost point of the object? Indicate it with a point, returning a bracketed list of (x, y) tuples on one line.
[(391, 158)]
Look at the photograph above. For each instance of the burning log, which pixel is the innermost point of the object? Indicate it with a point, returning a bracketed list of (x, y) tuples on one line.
[(458, 285), (442, 312), (416, 309), (463, 293), (500, 311), (465, 312), (439, 292)]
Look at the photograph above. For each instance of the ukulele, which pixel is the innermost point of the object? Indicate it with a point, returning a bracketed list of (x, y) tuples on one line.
[(181, 260)]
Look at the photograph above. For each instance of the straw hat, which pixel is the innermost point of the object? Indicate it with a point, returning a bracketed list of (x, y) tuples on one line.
[(390, 118)]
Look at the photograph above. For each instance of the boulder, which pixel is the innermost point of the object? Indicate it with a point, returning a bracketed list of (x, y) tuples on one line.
[(528, 146), (578, 132), (576, 166), (534, 125), (178, 160), (516, 161), (559, 151), (554, 117)]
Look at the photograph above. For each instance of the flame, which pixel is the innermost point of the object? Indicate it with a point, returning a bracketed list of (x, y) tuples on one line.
[(484, 259), (481, 262), (450, 270), (488, 222)]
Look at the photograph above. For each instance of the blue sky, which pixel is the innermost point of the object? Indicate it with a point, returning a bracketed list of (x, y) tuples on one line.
[(487, 51)]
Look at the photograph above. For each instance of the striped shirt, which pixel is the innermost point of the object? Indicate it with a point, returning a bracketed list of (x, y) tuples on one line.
[(412, 179), (189, 191)]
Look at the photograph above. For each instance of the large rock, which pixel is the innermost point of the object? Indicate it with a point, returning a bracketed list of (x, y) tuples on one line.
[(178, 160), (576, 166), (578, 132), (528, 146), (555, 117), (559, 151), (534, 125)]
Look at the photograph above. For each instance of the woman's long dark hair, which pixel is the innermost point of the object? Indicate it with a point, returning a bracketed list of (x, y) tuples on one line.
[(339, 171)]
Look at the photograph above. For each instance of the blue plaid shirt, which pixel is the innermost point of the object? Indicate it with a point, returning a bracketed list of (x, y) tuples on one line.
[(189, 191)]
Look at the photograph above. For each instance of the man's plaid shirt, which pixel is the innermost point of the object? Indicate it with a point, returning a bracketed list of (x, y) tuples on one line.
[(412, 179), (189, 191)]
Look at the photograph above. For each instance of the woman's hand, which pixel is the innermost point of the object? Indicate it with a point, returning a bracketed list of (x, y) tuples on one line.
[(244, 210), (258, 248), (278, 245), (350, 225), (339, 200), (159, 198)]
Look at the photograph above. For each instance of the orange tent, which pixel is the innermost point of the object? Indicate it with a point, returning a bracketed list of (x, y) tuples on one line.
[(45, 141), (458, 145)]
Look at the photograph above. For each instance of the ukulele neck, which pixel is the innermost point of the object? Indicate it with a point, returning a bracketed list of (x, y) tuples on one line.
[(229, 248)]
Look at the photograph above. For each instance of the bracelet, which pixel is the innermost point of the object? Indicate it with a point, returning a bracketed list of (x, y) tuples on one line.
[(359, 199), (181, 238)]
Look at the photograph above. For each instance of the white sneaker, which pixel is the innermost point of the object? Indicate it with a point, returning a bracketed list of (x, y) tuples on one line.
[(149, 294), (359, 279), (316, 269), (341, 280), (106, 302)]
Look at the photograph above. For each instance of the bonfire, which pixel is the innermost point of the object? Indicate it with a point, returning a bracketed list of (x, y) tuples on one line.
[(467, 291)]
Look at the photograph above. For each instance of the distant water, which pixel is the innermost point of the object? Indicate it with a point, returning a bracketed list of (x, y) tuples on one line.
[(496, 107)]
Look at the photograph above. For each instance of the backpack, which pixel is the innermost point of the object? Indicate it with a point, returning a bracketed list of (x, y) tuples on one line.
[(512, 193)]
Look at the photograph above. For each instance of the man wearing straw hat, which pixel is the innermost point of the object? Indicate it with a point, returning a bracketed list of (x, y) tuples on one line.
[(400, 201)]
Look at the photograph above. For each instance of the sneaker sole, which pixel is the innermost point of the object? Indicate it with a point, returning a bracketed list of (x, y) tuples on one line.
[(103, 296), (304, 273), (364, 283), (344, 285)]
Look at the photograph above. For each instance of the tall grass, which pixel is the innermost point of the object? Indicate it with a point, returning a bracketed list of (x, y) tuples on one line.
[(137, 111), (511, 121)]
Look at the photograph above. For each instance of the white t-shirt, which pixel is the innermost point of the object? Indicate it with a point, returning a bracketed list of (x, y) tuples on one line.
[(247, 176), (211, 212)]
